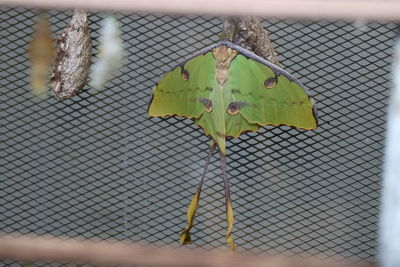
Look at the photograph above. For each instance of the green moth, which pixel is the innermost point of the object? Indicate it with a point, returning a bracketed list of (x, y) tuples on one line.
[(228, 90)]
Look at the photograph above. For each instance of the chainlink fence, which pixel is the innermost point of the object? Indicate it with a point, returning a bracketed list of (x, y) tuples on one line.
[(95, 166)]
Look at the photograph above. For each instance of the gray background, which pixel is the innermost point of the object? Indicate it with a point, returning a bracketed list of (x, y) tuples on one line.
[(95, 166)]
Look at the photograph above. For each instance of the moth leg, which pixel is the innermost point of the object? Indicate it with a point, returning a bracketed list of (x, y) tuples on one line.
[(185, 238), (228, 204)]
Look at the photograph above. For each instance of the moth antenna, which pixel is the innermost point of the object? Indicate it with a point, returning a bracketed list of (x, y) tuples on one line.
[(185, 238), (228, 203)]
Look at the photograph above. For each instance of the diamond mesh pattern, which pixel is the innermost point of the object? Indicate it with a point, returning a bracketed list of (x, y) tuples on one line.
[(95, 166)]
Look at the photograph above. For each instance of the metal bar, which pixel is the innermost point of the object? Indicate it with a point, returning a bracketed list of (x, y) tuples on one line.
[(52, 249), (301, 9)]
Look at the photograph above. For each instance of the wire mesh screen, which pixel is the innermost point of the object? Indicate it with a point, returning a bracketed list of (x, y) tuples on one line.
[(95, 166)]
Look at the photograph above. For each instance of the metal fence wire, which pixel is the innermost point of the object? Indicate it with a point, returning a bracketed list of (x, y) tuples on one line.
[(95, 166)]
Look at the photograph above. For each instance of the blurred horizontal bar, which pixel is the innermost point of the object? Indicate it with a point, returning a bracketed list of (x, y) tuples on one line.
[(56, 249), (376, 10)]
